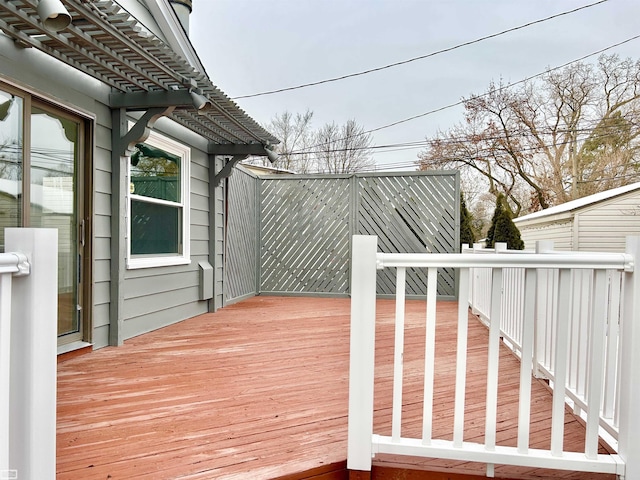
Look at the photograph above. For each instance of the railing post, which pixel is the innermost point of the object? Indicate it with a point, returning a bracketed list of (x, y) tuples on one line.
[(541, 311), (474, 283), (362, 352), (5, 362), (34, 313), (629, 426), (500, 247)]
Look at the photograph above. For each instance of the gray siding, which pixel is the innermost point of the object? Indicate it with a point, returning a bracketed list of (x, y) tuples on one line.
[(159, 296), (101, 232), (219, 242)]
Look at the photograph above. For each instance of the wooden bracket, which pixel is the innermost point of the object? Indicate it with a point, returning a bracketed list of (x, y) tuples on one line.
[(124, 144), (226, 170)]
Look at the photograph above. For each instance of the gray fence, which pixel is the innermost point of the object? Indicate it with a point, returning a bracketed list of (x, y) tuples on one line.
[(304, 224), (241, 237)]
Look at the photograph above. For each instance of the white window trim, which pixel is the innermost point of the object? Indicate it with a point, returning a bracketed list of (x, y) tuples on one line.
[(163, 260)]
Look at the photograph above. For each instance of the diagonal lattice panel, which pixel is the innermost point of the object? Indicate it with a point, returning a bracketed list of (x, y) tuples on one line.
[(305, 235), (305, 223), (242, 237), (410, 213)]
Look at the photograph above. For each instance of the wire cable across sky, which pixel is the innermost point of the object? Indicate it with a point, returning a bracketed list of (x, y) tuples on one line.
[(451, 105), (421, 57)]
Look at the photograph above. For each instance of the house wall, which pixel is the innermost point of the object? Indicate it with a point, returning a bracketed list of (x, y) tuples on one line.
[(152, 297), (159, 296)]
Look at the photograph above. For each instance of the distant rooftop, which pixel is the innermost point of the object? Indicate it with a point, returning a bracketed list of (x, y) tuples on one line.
[(580, 202), (265, 170)]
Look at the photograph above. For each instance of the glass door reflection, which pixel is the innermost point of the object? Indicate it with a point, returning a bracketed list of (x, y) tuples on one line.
[(53, 200), (11, 153)]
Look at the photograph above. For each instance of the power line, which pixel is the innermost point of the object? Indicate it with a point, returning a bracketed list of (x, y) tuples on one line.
[(603, 179), (504, 87), (586, 135), (421, 57), (587, 129)]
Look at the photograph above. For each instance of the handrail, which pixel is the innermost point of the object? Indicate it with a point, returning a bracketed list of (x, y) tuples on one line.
[(611, 261), (14, 262)]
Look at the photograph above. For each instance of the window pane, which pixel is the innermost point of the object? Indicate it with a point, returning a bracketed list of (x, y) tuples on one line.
[(155, 173), (155, 229), (10, 162), (54, 148)]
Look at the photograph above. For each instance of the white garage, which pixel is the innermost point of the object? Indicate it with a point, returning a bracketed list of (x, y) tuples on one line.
[(599, 222)]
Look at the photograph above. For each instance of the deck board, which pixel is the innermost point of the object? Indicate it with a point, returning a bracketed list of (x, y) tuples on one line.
[(259, 390)]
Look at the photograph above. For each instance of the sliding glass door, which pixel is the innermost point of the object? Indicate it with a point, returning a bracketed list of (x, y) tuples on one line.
[(41, 154)]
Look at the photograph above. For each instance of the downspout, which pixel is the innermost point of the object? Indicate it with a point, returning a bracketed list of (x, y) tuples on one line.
[(183, 10)]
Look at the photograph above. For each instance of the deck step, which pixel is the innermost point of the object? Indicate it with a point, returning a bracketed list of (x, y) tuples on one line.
[(338, 471), (391, 473), (333, 471)]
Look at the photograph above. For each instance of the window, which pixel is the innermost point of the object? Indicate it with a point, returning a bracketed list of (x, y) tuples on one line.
[(158, 203)]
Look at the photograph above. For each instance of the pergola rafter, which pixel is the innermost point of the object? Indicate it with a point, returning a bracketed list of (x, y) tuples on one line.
[(107, 43)]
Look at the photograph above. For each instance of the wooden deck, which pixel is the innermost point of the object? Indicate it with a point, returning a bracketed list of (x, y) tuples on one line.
[(259, 390)]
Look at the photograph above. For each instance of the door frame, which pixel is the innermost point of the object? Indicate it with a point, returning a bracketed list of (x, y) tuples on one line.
[(84, 192)]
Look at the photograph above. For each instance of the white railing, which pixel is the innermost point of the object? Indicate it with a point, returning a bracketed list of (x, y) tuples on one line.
[(585, 292), (512, 306), (28, 344), (562, 338)]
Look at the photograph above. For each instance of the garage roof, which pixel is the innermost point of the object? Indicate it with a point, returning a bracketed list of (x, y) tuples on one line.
[(578, 203)]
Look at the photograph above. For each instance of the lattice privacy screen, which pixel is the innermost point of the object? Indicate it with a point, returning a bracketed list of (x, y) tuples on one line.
[(304, 224)]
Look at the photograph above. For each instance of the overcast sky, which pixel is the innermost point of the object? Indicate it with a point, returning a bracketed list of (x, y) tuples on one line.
[(251, 46)]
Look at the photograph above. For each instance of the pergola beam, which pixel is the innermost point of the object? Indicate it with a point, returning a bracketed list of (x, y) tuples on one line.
[(246, 149), (146, 100)]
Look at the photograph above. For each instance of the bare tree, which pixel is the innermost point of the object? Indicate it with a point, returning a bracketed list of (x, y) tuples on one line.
[(296, 137), (10, 160), (343, 149), (569, 134), (330, 149)]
